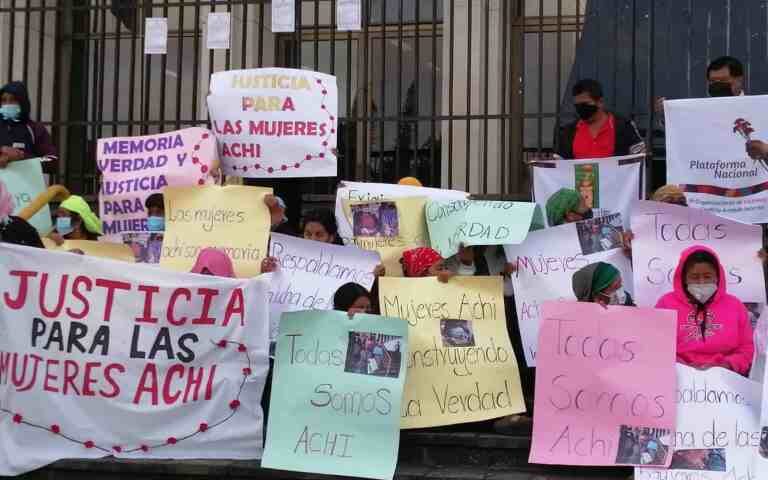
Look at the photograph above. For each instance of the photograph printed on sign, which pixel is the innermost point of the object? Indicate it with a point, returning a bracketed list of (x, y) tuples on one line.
[(643, 446), (754, 310), (378, 219), (600, 234), (587, 179), (147, 247), (764, 442), (457, 333), (374, 354), (710, 460)]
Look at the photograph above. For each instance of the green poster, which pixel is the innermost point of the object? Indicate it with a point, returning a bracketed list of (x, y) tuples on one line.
[(24, 180), (477, 222), (336, 392)]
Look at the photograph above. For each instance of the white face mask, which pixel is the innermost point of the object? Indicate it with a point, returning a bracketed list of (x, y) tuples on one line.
[(702, 292)]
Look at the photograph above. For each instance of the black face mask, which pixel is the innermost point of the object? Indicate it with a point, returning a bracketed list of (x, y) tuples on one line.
[(585, 111), (720, 89)]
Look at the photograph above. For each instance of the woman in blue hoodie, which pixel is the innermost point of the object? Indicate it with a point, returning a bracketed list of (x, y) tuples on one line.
[(20, 137)]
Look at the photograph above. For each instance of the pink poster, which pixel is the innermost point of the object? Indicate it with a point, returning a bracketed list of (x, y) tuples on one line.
[(605, 386), (133, 168)]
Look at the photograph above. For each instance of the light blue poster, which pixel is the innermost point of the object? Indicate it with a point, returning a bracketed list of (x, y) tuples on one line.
[(24, 181), (336, 392)]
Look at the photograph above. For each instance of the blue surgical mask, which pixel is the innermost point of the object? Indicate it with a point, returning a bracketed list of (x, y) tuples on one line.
[(156, 224), (64, 225), (10, 111)]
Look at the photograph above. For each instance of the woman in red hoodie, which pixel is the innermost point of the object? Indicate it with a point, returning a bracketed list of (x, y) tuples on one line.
[(713, 327)]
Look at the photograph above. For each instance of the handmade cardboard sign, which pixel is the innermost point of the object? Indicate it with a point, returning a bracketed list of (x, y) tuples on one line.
[(24, 181)]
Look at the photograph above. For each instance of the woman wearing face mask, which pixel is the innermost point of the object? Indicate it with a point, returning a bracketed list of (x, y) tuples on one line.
[(155, 205), (20, 137), (713, 327), (214, 262), (600, 283), (75, 221)]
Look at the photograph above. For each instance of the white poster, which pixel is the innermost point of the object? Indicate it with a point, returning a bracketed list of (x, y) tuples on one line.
[(101, 358), (372, 192), (547, 260), (661, 233), (218, 31), (718, 432), (348, 15), (309, 273), (605, 185), (275, 122), (156, 36), (283, 16), (707, 157)]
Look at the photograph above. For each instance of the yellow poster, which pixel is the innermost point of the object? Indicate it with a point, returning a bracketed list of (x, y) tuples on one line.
[(114, 251), (389, 239), (232, 218), (461, 367)]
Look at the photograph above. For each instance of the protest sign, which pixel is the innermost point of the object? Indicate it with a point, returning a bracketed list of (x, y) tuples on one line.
[(717, 434), (461, 366), (408, 229), (661, 233), (133, 168), (707, 156), (547, 260), (374, 192), (585, 410), (233, 218), (336, 393), (309, 273), (101, 358), (109, 250), (476, 222), (605, 185), (275, 122), (24, 181)]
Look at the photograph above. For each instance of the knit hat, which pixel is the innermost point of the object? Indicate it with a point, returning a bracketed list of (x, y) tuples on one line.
[(216, 261), (412, 181), (416, 262), (560, 203), (593, 279), (78, 205)]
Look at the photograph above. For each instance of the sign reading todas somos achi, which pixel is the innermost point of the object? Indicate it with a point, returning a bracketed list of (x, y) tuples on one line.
[(275, 122), (102, 358), (461, 367), (338, 384), (586, 412), (133, 168)]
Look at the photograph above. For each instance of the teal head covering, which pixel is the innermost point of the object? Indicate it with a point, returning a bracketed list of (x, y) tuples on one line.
[(560, 203), (593, 279)]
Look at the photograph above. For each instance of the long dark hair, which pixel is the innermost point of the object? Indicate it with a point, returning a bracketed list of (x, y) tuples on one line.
[(324, 217), (347, 294), (700, 256)]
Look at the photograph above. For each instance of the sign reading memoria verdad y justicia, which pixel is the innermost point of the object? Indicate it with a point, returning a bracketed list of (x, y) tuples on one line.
[(275, 122)]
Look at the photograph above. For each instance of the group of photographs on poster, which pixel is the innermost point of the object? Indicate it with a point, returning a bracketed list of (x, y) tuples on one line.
[(643, 446), (601, 234), (374, 354), (375, 219)]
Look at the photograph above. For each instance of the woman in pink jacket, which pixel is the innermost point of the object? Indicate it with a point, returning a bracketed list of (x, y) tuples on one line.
[(713, 327)]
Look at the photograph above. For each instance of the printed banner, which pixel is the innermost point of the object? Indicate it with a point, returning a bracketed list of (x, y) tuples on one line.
[(717, 435), (109, 250), (275, 122), (388, 228), (707, 155), (335, 405), (585, 411), (547, 260), (661, 233), (375, 192), (101, 358), (24, 181), (605, 185), (309, 273), (134, 168), (476, 222), (461, 366), (233, 218)]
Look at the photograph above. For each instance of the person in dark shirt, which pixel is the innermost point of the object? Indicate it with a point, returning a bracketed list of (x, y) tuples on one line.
[(20, 137), (598, 133)]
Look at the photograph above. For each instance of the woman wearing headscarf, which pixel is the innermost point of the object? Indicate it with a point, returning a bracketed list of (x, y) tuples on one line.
[(424, 262), (213, 261), (600, 283), (713, 328), (76, 221), (566, 206), (14, 229)]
